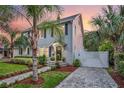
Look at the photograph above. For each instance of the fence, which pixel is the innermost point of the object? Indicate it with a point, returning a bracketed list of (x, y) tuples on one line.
[(93, 59)]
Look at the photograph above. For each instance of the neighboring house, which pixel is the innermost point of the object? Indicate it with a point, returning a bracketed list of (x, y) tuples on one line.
[(48, 45)]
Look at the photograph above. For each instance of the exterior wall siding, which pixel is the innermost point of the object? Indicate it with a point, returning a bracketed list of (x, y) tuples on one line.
[(68, 49), (77, 38), (72, 41), (24, 52)]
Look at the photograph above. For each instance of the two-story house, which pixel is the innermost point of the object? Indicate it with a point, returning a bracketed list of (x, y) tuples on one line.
[(48, 45)]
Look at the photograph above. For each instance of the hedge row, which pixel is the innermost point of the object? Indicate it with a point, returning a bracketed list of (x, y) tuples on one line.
[(24, 61), (23, 57)]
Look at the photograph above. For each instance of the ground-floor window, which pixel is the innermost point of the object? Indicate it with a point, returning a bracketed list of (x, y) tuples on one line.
[(20, 51), (28, 51), (44, 51)]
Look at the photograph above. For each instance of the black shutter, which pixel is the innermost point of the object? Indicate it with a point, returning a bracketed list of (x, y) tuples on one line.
[(51, 32), (50, 51), (44, 33), (28, 51), (21, 51), (66, 29)]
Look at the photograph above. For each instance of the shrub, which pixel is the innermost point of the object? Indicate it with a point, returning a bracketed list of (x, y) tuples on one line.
[(63, 59), (52, 58), (3, 85), (58, 57), (23, 57), (76, 63), (120, 67), (107, 46), (23, 61), (119, 57), (42, 59)]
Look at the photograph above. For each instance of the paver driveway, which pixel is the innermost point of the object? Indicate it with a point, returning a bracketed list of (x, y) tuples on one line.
[(85, 77)]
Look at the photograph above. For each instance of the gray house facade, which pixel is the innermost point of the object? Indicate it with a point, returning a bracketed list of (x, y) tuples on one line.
[(49, 46)]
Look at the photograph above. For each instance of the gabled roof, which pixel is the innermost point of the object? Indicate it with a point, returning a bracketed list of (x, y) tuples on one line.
[(70, 18), (63, 20)]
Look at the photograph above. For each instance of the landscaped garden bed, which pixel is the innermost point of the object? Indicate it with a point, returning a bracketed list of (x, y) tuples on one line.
[(8, 70), (48, 79), (118, 78), (12, 69)]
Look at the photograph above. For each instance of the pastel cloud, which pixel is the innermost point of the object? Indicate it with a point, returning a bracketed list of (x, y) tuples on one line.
[(87, 11)]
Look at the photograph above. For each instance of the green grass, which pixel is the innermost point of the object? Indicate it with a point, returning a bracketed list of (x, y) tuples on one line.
[(6, 68), (22, 86), (51, 80)]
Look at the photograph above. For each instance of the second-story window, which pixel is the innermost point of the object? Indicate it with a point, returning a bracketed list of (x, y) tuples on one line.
[(51, 32), (44, 33), (66, 29)]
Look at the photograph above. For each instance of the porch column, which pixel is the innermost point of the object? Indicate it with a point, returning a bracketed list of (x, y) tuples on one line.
[(55, 52)]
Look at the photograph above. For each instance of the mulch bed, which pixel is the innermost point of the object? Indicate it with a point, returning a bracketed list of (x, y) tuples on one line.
[(41, 80), (119, 79), (67, 69), (30, 81)]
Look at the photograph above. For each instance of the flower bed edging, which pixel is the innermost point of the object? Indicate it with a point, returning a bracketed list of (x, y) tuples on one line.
[(20, 77)]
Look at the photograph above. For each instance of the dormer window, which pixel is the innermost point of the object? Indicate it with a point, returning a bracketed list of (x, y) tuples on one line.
[(66, 29)]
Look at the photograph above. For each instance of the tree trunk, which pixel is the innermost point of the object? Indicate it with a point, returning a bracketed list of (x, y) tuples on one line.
[(35, 70), (34, 50), (11, 48), (11, 52)]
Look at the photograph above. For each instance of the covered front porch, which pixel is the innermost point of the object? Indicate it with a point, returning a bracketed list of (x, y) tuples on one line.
[(53, 52)]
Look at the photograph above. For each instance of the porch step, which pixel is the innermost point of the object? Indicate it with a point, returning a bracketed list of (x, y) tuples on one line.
[(52, 64), (62, 64)]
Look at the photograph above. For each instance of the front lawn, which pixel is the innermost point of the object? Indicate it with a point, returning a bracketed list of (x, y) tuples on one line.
[(53, 78), (6, 68), (50, 80)]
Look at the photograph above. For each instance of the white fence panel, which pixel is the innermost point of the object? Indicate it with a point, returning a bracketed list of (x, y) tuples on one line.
[(93, 59)]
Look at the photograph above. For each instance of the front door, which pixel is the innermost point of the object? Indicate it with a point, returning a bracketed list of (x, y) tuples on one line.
[(58, 53)]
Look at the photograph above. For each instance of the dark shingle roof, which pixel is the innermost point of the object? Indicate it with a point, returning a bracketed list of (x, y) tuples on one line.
[(63, 20)]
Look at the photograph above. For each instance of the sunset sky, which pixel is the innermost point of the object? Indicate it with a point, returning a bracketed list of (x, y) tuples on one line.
[(87, 13)]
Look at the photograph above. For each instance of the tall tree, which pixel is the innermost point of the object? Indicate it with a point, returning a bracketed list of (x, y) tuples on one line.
[(34, 14), (7, 15), (110, 25)]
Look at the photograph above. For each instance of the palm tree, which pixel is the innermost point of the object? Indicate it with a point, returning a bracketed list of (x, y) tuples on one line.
[(6, 17), (34, 14), (110, 26)]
